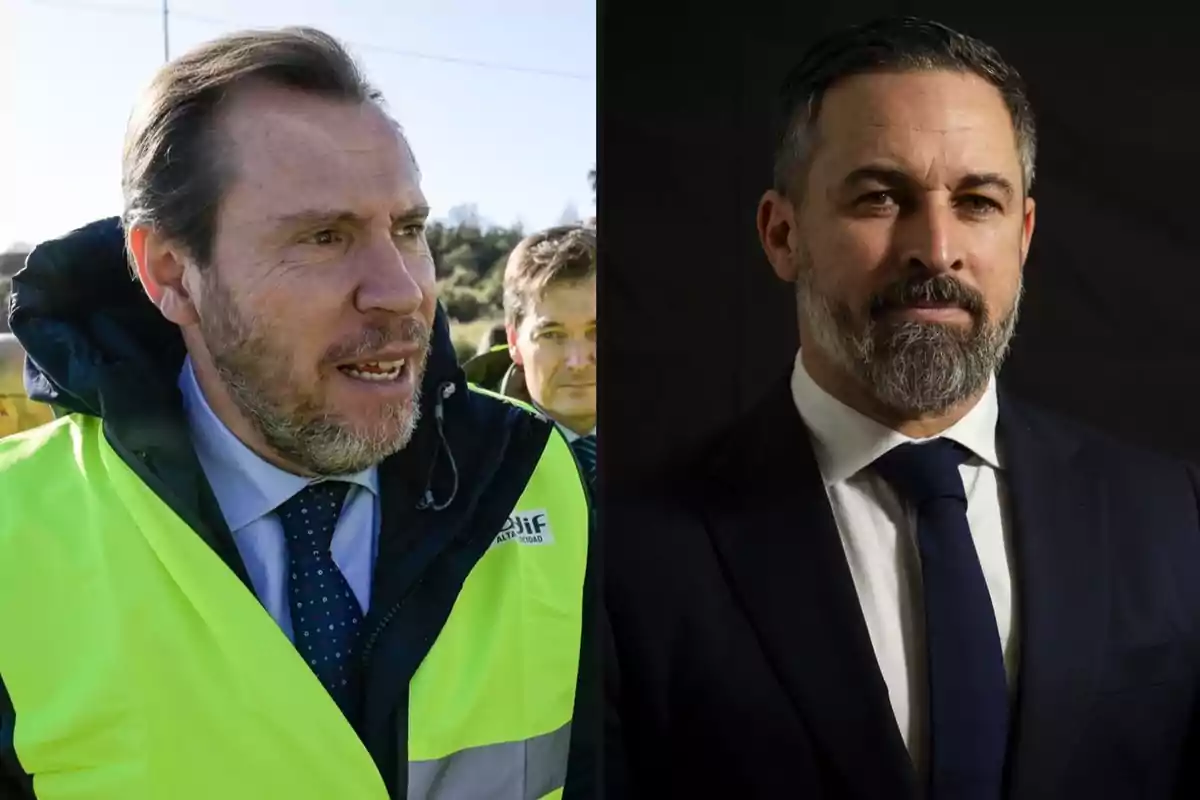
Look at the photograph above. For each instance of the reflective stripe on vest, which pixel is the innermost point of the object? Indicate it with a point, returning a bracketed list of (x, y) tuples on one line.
[(507, 642), (141, 667), (531, 769)]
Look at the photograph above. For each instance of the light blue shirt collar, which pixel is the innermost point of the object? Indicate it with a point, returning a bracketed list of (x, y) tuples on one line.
[(246, 486)]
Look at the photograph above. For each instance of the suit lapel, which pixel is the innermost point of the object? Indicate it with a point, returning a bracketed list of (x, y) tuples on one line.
[(1061, 560), (770, 521)]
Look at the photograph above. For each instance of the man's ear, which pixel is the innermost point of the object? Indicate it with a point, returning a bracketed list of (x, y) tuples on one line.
[(162, 268), (778, 234), (510, 333), (1027, 225)]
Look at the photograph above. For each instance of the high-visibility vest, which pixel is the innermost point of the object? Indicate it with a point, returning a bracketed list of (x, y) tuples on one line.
[(141, 668)]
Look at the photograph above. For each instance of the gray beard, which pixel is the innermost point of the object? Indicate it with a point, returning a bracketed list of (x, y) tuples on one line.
[(317, 441), (295, 422), (911, 368)]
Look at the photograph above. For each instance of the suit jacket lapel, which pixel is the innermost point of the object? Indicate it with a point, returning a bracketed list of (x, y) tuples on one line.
[(1061, 563), (770, 520)]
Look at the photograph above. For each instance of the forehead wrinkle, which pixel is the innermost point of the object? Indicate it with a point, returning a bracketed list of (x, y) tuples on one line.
[(374, 188), (925, 161)]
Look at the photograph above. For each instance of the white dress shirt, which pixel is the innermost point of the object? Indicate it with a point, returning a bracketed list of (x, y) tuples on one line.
[(879, 536)]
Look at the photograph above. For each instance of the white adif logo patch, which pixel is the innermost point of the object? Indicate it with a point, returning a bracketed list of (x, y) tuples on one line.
[(526, 527)]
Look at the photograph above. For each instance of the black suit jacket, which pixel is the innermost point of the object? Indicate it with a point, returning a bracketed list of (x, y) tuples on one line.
[(740, 664)]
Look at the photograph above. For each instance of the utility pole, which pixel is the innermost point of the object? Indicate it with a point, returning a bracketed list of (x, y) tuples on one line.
[(166, 31)]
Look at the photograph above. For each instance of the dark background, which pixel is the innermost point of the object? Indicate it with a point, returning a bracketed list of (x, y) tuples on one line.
[(696, 326)]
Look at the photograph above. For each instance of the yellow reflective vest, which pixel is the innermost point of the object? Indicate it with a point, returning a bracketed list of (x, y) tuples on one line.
[(141, 668)]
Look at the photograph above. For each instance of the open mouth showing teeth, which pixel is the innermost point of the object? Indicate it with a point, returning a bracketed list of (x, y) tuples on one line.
[(374, 370)]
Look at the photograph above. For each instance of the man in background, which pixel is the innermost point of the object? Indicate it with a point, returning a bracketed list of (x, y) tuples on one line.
[(549, 359)]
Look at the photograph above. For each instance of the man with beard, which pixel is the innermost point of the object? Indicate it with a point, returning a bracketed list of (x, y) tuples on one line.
[(891, 579), (277, 547)]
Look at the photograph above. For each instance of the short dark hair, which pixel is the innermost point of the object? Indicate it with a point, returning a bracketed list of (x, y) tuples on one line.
[(896, 44), (173, 175), (563, 254)]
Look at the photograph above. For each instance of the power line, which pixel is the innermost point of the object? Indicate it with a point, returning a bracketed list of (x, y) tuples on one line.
[(104, 8), (119, 8), (472, 62)]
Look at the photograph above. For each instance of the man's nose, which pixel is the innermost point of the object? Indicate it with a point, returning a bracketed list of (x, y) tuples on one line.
[(386, 282), (580, 353), (931, 237)]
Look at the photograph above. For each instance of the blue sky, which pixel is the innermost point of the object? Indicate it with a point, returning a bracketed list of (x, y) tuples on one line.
[(498, 98)]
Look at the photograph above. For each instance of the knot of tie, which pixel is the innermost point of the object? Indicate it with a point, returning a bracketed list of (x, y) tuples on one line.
[(923, 472), (310, 516)]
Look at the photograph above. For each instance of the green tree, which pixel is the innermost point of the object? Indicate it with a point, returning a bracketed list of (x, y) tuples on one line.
[(469, 257)]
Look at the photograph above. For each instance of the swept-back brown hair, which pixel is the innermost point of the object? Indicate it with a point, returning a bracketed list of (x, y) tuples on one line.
[(174, 172), (563, 254)]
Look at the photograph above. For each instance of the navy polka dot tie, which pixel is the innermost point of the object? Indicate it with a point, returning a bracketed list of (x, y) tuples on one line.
[(326, 618), (585, 452)]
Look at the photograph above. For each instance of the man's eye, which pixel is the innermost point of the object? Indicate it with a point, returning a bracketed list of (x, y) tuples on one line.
[(323, 237), (978, 204), (411, 231), (877, 199)]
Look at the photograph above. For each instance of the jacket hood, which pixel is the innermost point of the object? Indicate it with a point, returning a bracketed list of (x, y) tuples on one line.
[(496, 371), (487, 369), (93, 337)]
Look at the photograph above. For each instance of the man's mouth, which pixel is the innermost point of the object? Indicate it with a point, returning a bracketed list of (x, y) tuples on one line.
[(377, 371), (918, 306)]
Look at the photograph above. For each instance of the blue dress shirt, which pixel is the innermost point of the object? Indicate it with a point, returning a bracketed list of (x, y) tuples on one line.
[(249, 489)]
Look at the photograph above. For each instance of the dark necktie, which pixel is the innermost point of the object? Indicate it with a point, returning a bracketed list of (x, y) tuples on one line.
[(585, 451), (326, 618), (968, 694)]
